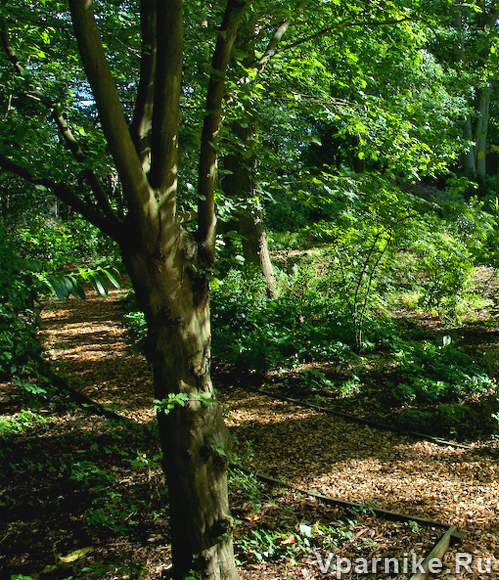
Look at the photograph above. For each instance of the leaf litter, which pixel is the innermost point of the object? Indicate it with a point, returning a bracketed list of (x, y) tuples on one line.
[(58, 471)]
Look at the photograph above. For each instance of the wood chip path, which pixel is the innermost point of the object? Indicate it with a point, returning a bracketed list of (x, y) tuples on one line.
[(87, 344)]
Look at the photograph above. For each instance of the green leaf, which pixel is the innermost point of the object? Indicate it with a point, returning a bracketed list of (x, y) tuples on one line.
[(98, 283), (60, 286), (218, 448), (20, 134), (76, 287), (111, 278), (166, 405)]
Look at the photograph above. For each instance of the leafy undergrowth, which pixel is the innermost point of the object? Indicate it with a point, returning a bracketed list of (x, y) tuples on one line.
[(83, 497), (441, 382), (285, 534), (419, 370), (408, 362)]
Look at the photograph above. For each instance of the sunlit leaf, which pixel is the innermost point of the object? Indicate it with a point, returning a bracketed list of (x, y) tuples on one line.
[(75, 555)]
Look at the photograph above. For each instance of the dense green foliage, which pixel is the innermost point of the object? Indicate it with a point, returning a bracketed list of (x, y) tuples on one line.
[(376, 256), (39, 260), (364, 138), (19, 291)]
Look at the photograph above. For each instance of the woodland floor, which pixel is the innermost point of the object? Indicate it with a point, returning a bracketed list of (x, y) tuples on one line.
[(46, 524)]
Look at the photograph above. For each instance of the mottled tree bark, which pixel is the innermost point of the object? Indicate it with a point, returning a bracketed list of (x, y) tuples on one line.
[(194, 439)]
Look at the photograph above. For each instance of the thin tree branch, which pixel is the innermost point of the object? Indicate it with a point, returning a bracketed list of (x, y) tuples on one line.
[(17, 66), (211, 127), (94, 182), (368, 289), (140, 128), (66, 194), (9, 51), (142, 204), (67, 134), (345, 24)]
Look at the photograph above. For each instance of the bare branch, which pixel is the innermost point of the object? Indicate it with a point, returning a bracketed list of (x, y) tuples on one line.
[(345, 24), (67, 135), (4, 34), (94, 182), (17, 66)]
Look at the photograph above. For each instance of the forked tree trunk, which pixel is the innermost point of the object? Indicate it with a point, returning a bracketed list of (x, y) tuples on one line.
[(474, 160), (194, 439), (164, 262), (165, 265)]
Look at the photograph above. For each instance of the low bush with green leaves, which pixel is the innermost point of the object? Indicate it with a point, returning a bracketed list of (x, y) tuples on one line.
[(258, 333), (444, 267), (441, 389), (430, 373)]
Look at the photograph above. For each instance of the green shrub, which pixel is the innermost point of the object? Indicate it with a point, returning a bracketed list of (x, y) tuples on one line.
[(257, 333), (429, 373), (444, 266), (19, 289)]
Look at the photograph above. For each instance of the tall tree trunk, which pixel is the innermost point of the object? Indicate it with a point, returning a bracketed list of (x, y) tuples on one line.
[(255, 246), (238, 184), (474, 160), (194, 439), (165, 265), (469, 158), (481, 127)]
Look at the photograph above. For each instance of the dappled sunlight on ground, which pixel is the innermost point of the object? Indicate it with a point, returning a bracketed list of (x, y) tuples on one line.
[(86, 344), (364, 465)]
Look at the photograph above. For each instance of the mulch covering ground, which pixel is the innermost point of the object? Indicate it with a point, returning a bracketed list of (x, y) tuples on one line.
[(86, 343)]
